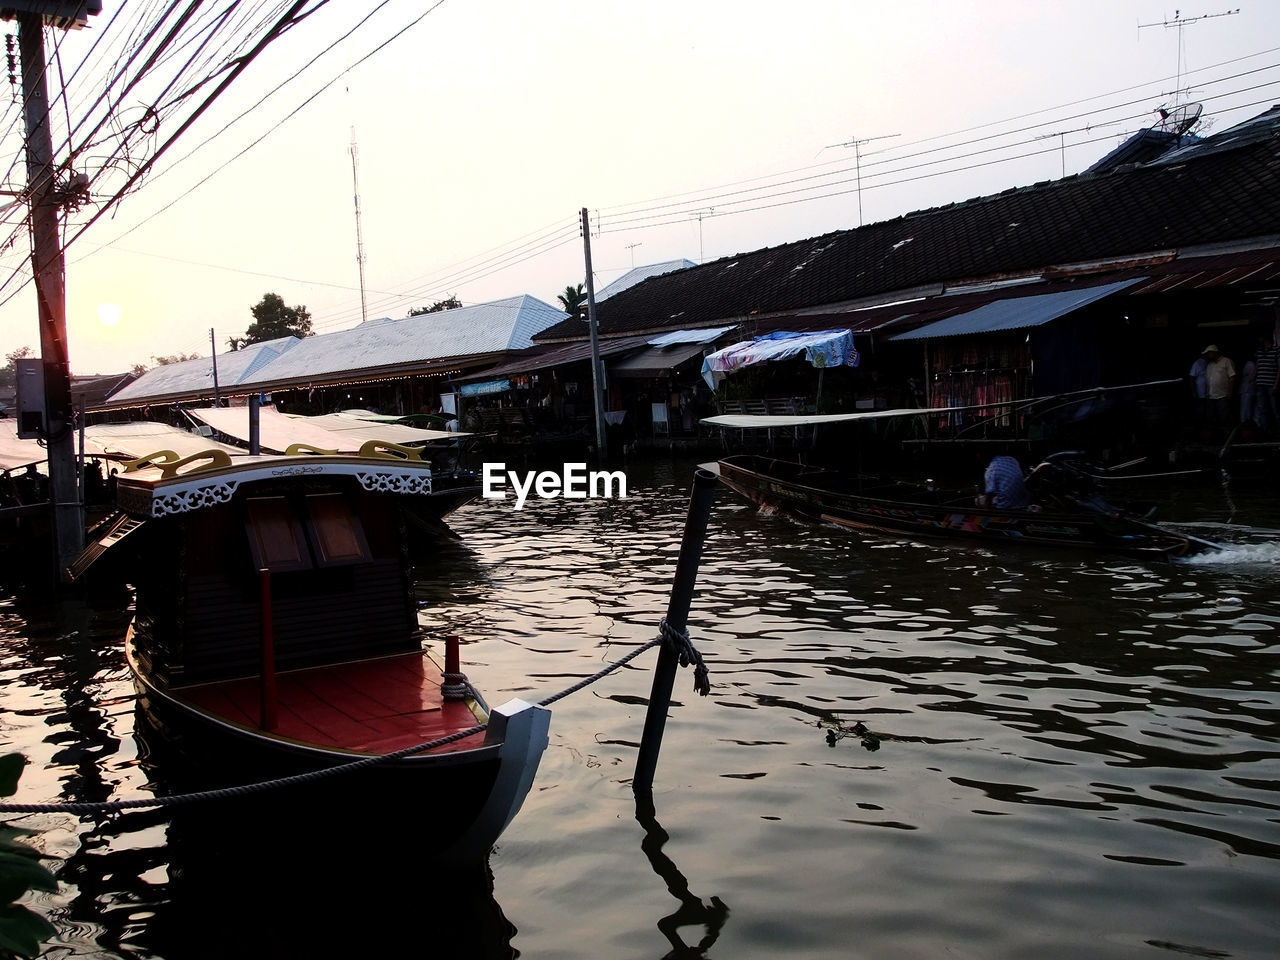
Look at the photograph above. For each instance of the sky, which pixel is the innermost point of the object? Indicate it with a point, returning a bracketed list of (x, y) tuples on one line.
[(695, 129)]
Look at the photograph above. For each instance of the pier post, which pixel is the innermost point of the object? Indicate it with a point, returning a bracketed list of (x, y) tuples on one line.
[(664, 674)]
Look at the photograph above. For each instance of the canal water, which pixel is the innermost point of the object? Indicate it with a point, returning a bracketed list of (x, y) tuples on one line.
[(910, 750)]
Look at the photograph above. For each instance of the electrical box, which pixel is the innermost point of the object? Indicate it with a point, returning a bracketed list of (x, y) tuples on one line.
[(30, 394), (63, 14)]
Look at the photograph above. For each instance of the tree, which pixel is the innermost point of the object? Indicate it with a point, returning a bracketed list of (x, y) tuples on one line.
[(453, 303), (173, 358), (572, 300), (272, 320), (9, 372)]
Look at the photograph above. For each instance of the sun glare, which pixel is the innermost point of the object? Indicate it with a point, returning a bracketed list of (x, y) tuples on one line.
[(109, 314)]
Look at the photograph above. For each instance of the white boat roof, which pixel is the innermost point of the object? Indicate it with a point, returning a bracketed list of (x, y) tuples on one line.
[(16, 454), (133, 441), (379, 428)]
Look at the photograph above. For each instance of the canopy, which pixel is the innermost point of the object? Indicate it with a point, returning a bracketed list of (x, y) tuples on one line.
[(132, 441), (655, 361), (276, 432), (377, 426), (1015, 313), (14, 453), (826, 348)]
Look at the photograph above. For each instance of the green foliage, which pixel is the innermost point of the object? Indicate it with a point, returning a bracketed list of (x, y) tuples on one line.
[(21, 932), (173, 358), (572, 299), (9, 372), (452, 303), (272, 320)]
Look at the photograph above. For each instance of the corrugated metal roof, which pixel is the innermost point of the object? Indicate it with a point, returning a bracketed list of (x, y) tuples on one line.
[(194, 377), (1015, 313), (485, 328), (637, 274)]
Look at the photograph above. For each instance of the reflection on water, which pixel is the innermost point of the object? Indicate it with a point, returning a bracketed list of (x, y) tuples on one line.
[(1077, 755)]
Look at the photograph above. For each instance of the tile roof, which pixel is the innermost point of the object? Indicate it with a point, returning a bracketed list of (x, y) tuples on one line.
[(1225, 188)]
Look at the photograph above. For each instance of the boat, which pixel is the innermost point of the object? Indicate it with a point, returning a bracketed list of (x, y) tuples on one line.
[(276, 636), (1067, 510)]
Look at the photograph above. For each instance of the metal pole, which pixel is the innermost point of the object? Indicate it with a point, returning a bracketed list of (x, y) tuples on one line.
[(48, 268), (255, 424), (602, 446), (268, 713), (664, 674), (213, 352)]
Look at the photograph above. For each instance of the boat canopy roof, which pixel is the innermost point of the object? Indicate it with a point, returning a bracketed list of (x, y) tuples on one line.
[(342, 432)]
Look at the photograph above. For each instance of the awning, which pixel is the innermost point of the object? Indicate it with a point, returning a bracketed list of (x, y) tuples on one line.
[(14, 453), (133, 441), (276, 432), (825, 348), (704, 335), (655, 361), (1015, 313)]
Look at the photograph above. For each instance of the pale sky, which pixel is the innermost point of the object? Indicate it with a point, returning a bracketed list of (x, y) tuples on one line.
[(693, 129)]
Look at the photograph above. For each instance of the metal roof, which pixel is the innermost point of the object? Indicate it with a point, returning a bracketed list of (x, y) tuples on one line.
[(465, 331), (1015, 313), (637, 274), (479, 330), (195, 377)]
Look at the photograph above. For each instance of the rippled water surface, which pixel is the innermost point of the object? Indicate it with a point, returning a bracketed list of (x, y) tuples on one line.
[(909, 750)]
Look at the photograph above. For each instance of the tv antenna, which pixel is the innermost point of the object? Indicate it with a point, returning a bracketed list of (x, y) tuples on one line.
[(857, 161), (1062, 138), (1180, 22), (632, 248), (355, 180), (709, 212)]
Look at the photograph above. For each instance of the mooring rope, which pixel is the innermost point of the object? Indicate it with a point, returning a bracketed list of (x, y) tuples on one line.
[(678, 641)]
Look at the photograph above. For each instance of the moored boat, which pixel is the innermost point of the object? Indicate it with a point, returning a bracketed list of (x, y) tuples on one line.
[(1065, 513), (276, 634)]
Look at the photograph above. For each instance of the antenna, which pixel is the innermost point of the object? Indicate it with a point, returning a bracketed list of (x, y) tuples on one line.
[(699, 215), (1178, 119), (857, 161), (632, 248), (355, 180), (1062, 138), (1179, 21)]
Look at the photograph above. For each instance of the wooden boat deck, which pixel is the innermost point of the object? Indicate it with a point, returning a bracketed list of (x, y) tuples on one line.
[(366, 707)]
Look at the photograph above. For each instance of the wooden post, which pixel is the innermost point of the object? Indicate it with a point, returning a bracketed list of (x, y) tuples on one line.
[(268, 715), (664, 674), (255, 424)]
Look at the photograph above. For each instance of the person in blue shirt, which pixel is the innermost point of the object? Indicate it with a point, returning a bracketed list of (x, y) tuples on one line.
[(1004, 485)]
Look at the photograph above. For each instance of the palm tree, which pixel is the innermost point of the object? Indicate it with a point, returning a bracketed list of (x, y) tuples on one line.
[(572, 300)]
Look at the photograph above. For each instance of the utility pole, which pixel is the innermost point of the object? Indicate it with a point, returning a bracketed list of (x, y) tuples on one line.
[(213, 355), (355, 180), (857, 162), (48, 270), (602, 445)]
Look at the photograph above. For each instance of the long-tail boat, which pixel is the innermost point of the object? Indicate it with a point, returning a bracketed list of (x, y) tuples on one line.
[(1067, 512), (276, 635)]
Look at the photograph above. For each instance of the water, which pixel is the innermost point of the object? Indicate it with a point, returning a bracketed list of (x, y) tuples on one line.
[(910, 750)]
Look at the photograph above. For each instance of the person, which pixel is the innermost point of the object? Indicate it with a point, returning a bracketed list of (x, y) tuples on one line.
[(1219, 385), (1266, 381), (1004, 485)]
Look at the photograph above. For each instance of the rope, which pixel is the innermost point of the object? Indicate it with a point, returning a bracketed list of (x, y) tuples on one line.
[(677, 640)]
